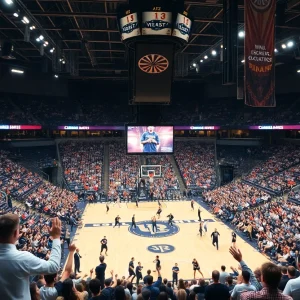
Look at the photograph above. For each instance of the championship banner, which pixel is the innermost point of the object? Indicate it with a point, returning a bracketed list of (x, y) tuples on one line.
[(153, 73), (259, 53)]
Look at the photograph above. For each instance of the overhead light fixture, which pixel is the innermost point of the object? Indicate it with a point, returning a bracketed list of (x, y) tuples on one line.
[(60, 59), (283, 46), (63, 62), (41, 37), (290, 44), (38, 39), (17, 71), (201, 60), (275, 50), (52, 50), (16, 14), (25, 20), (32, 27), (298, 71), (194, 65), (221, 46), (205, 57), (241, 34), (56, 76), (46, 44), (214, 52), (242, 61), (9, 2)]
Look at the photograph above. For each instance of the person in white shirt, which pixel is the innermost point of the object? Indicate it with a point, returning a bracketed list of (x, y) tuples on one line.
[(245, 286), (18, 266), (292, 288)]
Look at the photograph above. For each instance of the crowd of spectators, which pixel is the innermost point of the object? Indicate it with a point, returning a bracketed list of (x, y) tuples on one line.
[(82, 163), (294, 195), (123, 172), (196, 163), (275, 228), (234, 197), (167, 186)]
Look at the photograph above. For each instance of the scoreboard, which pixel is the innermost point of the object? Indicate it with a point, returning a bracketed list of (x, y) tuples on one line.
[(129, 26), (182, 27), (157, 23)]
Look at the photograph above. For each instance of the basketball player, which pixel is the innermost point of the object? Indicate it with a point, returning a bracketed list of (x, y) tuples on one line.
[(137, 202), (175, 271), (192, 204), (133, 222), (196, 267), (138, 272), (200, 229), (157, 263), (117, 221), (233, 234), (103, 245), (205, 226), (215, 237), (171, 217), (131, 269), (199, 214), (154, 224), (107, 208), (150, 140), (159, 212)]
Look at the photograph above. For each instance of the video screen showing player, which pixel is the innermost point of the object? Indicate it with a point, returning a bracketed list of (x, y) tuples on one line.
[(150, 139)]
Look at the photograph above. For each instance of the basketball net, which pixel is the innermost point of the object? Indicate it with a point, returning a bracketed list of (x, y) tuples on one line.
[(151, 177)]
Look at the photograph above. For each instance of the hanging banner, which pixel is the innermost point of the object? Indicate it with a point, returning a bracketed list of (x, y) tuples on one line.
[(259, 53)]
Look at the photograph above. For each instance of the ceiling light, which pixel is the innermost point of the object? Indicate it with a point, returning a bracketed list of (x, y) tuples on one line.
[(52, 50), (63, 62), (242, 61), (298, 71), (275, 50), (25, 20), (46, 44), (9, 2), (16, 15), (205, 57), (290, 44), (56, 76), (32, 27), (38, 39), (41, 37), (221, 46), (241, 34), (17, 71), (60, 59), (201, 60), (194, 65), (283, 46), (214, 52)]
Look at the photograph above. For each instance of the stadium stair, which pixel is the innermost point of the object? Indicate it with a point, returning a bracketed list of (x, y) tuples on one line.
[(178, 174), (105, 177)]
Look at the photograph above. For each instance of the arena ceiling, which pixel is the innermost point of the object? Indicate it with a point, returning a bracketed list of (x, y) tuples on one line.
[(86, 32)]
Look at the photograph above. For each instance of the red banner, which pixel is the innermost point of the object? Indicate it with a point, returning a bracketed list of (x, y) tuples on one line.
[(259, 53)]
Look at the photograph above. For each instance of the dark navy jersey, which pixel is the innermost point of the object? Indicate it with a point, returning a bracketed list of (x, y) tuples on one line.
[(150, 147)]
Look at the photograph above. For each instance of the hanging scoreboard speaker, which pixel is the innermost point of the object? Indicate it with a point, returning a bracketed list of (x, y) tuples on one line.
[(183, 26)]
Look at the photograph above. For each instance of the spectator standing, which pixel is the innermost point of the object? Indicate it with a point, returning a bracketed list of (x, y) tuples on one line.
[(216, 290), (77, 257), (100, 271), (284, 278), (292, 288), (244, 286), (223, 275), (270, 277), (18, 266), (153, 287)]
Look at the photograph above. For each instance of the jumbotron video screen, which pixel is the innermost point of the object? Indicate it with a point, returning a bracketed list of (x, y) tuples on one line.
[(150, 139)]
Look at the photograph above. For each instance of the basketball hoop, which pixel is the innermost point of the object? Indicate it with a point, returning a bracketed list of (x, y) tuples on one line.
[(151, 177)]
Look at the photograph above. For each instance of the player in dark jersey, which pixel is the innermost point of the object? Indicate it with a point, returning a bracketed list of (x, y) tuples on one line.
[(233, 234), (154, 226), (133, 222), (138, 272), (131, 269), (107, 208), (199, 214), (150, 140), (196, 267), (117, 221), (171, 217), (103, 245), (157, 263), (159, 212), (192, 204), (200, 229), (215, 237)]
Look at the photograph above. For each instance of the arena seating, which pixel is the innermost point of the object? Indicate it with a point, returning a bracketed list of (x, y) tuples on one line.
[(82, 163), (196, 163), (123, 172)]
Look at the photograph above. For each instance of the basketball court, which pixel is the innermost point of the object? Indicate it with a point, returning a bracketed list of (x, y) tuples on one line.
[(178, 244)]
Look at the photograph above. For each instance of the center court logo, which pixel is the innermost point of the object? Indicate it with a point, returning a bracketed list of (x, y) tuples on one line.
[(144, 229), (162, 248)]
